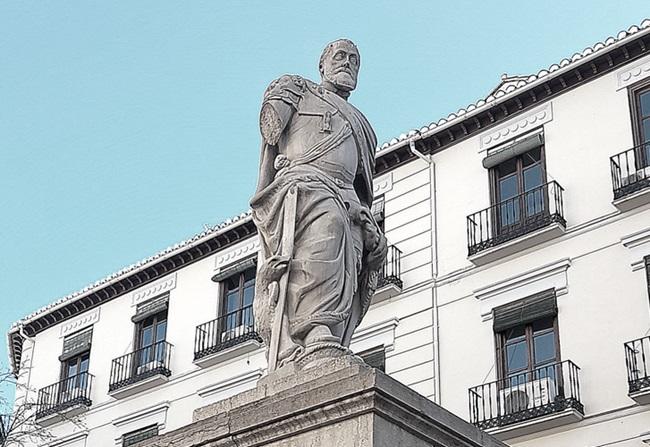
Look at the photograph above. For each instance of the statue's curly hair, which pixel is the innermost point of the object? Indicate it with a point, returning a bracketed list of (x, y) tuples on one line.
[(328, 50)]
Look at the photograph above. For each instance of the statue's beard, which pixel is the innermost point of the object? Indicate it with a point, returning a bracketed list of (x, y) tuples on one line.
[(342, 80)]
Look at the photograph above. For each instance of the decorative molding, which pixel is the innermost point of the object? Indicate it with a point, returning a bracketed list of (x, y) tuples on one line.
[(81, 322), (155, 414), (550, 276), (639, 245), (73, 440), (238, 252), (523, 123), (159, 287), (232, 385), (633, 74), (378, 334), (383, 184)]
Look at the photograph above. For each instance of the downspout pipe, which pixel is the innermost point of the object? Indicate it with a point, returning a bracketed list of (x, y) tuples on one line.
[(27, 385), (435, 328)]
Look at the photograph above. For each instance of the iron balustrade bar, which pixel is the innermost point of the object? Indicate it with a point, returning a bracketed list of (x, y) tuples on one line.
[(515, 217), (637, 360), (391, 269), (140, 364), (630, 170), (224, 332), (527, 395), (69, 392)]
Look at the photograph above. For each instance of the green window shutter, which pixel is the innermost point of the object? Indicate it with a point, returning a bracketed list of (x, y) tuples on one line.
[(535, 307)]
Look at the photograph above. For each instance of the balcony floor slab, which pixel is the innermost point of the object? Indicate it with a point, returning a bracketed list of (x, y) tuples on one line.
[(641, 397), (237, 350), (65, 414), (139, 386), (537, 424), (634, 200), (529, 240)]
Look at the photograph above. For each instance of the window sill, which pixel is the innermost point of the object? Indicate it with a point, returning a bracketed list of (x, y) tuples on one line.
[(538, 424), (140, 385), (245, 347), (64, 412), (517, 245), (633, 200)]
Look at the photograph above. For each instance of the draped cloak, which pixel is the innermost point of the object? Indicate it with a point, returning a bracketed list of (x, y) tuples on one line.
[(329, 283)]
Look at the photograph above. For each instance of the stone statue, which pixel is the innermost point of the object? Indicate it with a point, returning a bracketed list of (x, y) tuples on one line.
[(321, 248)]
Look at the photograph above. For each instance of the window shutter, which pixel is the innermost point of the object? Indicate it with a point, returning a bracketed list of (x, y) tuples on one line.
[(75, 344), (135, 437), (541, 305), (517, 147), (151, 307), (375, 357), (235, 269)]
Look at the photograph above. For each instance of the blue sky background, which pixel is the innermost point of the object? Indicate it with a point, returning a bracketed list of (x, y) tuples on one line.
[(126, 126)]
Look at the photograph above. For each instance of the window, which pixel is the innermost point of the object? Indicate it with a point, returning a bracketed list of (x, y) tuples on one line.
[(517, 189), (640, 103), (647, 272), (236, 306), (136, 436), (74, 365), (150, 338), (378, 212), (375, 357), (526, 338)]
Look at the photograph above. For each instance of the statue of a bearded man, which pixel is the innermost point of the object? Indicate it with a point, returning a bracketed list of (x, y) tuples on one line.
[(321, 248)]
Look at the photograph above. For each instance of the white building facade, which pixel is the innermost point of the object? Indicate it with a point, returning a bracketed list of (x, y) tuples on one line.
[(516, 293)]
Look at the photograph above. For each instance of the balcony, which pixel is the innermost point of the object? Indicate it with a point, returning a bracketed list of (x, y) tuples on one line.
[(516, 224), (140, 370), (226, 337), (389, 282), (631, 177), (637, 359), (525, 403), (64, 399)]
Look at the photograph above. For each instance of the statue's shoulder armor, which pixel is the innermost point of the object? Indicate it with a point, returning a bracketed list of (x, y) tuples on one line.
[(287, 88)]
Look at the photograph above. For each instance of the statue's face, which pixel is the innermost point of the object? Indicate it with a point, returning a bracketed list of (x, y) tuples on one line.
[(341, 66)]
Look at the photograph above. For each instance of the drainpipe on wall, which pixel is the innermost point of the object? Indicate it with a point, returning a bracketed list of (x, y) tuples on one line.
[(434, 262), (27, 338)]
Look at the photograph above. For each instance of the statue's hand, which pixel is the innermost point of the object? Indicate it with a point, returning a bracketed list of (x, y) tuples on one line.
[(376, 257), (274, 267)]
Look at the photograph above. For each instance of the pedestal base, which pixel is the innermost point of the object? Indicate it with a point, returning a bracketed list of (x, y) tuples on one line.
[(343, 403)]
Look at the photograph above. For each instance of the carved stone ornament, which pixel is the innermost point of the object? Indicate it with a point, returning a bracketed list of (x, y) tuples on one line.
[(320, 247)]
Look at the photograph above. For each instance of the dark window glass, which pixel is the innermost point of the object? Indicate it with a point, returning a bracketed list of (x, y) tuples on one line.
[(151, 332), (644, 100), (527, 348)]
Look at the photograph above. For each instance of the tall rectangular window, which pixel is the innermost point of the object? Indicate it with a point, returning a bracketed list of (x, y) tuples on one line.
[(640, 102), (517, 189), (75, 361), (238, 294), (150, 335)]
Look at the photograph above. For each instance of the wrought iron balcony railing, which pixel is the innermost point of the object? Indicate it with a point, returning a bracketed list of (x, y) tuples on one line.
[(515, 217), (69, 392), (631, 170), (637, 358), (521, 397), (224, 332), (391, 270), (141, 364)]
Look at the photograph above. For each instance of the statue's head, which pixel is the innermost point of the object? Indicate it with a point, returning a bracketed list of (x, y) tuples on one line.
[(339, 64)]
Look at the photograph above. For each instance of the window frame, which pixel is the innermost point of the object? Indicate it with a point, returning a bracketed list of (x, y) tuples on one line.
[(634, 94), (501, 343), (223, 307), (154, 352), (495, 200)]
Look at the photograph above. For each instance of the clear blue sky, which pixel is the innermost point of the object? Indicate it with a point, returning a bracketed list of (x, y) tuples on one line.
[(126, 126)]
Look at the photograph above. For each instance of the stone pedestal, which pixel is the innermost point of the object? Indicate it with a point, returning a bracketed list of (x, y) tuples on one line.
[(343, 403)]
